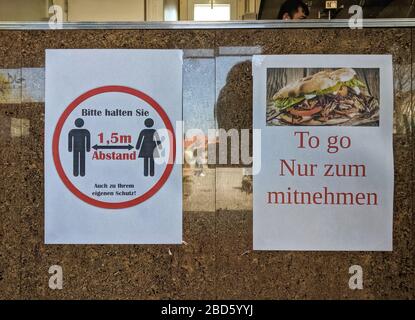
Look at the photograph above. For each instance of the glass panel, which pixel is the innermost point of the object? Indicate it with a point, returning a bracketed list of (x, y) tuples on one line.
[(200, 10), (217, 12), (198, 117), (233, 111)]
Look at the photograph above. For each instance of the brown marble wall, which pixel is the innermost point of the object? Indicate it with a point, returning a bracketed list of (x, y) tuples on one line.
[(216, 259)]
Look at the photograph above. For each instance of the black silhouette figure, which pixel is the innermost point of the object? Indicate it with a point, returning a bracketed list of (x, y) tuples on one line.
[(79, 142), (148, 142)]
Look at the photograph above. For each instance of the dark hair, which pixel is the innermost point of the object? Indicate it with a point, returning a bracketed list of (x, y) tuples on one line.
[(291, 7)]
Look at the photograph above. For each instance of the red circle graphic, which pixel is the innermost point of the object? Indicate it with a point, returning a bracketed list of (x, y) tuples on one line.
[(114, 205)]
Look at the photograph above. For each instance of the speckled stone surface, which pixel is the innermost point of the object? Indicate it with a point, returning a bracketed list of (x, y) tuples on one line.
[(216, 259), (35, 42), (315, 275), (10, 233), (10, 49)]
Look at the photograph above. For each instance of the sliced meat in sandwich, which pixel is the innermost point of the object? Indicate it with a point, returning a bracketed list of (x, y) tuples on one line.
[(326, 98)]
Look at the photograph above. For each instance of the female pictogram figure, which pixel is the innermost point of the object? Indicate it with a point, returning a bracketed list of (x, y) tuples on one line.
[(148, 143)]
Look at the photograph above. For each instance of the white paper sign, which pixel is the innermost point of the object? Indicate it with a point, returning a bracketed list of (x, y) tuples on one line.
[(326, 177), (110, 146)]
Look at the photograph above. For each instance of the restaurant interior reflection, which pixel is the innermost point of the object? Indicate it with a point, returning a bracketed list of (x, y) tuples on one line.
[(192, 10)]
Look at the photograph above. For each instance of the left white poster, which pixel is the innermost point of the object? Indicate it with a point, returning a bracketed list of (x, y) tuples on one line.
[(113, 146)]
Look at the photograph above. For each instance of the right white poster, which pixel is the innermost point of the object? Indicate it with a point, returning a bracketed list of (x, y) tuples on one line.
[(325, 179)]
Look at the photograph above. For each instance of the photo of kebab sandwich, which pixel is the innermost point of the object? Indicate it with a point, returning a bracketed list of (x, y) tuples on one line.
[(326, 98)]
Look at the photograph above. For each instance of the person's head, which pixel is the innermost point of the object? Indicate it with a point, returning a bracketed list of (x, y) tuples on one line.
[(293, 9), (79, 123), (149, 122)]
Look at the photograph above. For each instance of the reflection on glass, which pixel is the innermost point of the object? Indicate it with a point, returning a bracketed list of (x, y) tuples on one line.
[(198, 116), (198, 10), (215, 12), (233, 110)]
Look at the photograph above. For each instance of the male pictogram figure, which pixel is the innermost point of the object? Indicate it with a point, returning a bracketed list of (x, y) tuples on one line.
[(79, 142)]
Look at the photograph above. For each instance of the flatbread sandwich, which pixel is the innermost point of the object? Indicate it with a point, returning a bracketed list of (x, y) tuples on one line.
[(326, 98)]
